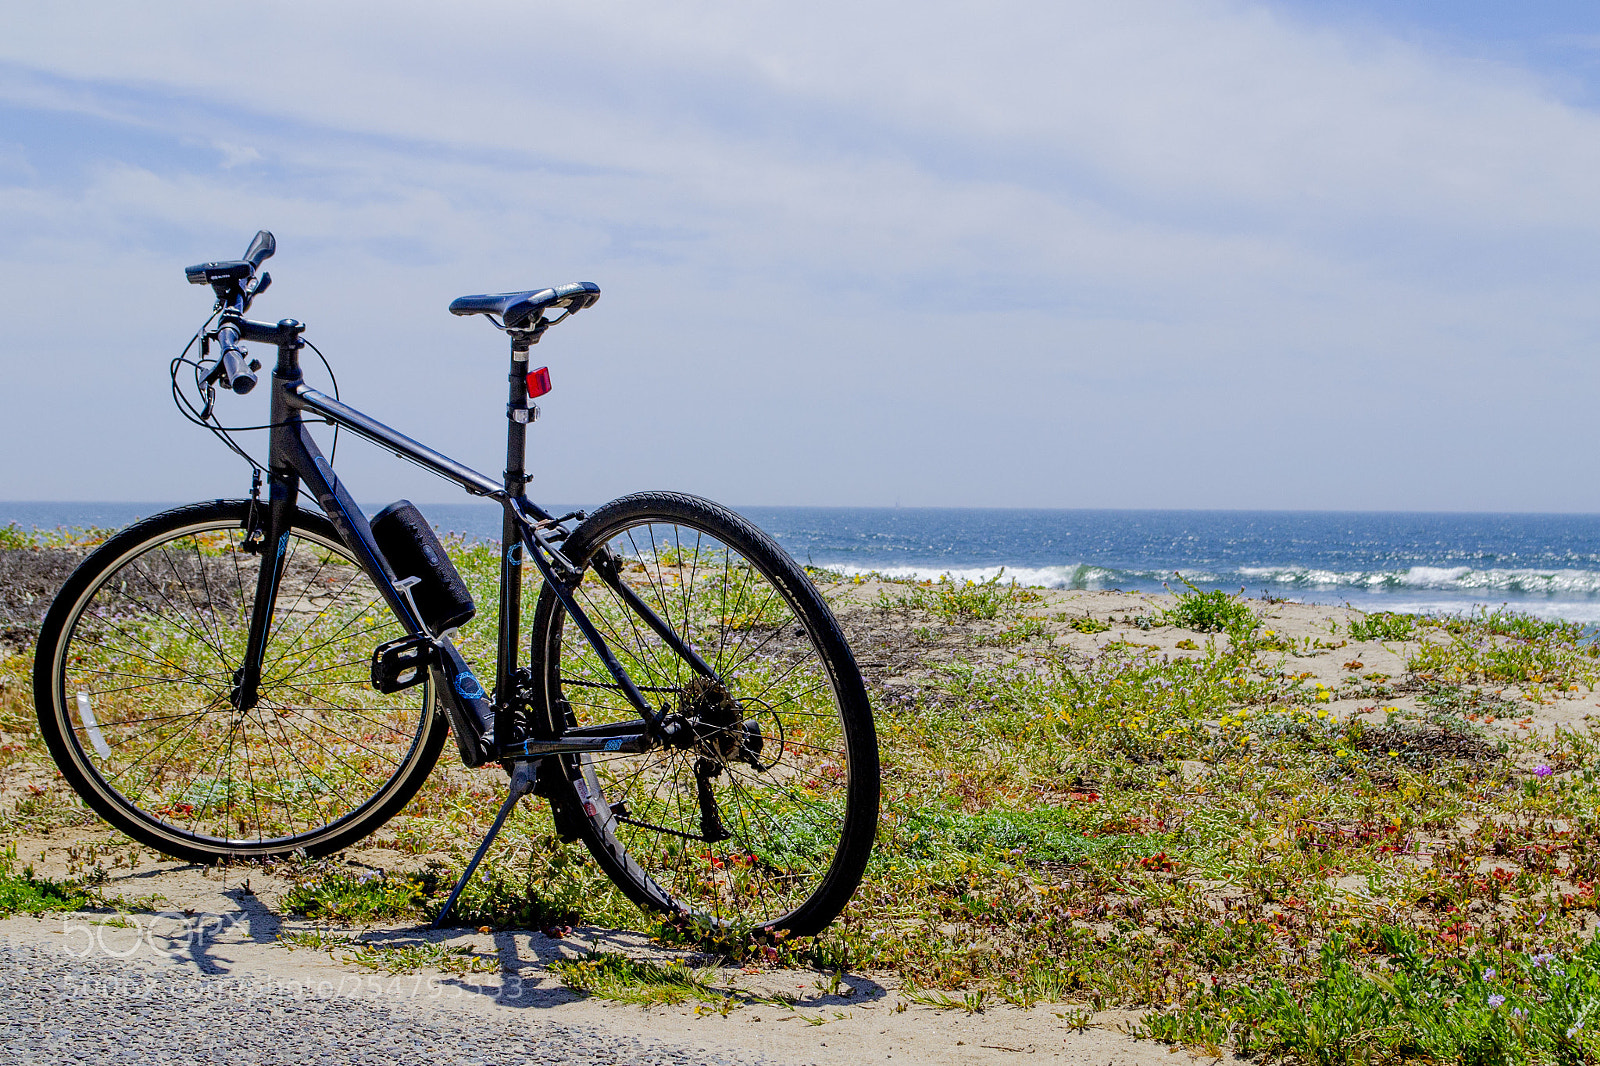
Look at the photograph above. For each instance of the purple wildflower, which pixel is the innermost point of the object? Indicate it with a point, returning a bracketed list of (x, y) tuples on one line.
[(1496, 1000), (1542, 771)]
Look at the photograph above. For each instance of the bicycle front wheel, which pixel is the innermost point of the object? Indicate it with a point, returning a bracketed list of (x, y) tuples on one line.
[(761, 813), (134, 684)]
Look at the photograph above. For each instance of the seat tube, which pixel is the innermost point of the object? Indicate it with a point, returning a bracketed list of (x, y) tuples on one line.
[(283, 487), (512, 553)]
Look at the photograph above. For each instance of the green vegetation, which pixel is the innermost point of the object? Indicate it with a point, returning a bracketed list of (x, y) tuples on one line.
[(13, 536), (1501, 648), (1383, 625), (1022, 630), (1194, 835), (23, 893), (392, 958), (337, 894), (960, 601), (553, 885), (615, 976), (1172, 833), (1211, 612), (1412, 1006), (619, 977), (1504, 622)]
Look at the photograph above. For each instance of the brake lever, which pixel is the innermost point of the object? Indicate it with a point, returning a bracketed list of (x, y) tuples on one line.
[(215, 370), (233, 368), (208, 387), (256, 288)]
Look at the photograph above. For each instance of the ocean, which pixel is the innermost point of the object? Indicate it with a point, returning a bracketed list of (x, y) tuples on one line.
[(1547, 565)]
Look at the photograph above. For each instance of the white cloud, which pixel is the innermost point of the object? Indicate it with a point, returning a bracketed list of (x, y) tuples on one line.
[(234, 155), (1016, 253)]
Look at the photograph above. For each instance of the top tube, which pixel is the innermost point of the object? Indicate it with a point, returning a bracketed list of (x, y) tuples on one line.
[(375, 431)]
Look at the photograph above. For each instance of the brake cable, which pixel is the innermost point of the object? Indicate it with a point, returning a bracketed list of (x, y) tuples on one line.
[(204, 415)]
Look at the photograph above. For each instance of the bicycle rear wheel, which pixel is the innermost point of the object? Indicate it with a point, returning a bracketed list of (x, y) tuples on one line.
[(763, 815), (136, 665)]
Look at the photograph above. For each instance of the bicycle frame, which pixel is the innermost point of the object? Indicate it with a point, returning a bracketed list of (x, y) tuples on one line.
[(483, 729), (209, 721)]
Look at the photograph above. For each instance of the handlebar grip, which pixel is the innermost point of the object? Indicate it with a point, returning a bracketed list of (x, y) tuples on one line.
[(261, 248), (233, 366), (236, 372)]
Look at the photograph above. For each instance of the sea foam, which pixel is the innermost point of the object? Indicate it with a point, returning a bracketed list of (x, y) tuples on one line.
[(1462, 580), (1070, 576), (1451, 578)]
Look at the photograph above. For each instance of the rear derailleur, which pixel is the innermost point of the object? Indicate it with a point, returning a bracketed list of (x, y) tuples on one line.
[(711, 723)]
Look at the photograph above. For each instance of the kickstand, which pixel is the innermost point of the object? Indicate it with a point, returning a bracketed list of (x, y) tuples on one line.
[(522, 778)]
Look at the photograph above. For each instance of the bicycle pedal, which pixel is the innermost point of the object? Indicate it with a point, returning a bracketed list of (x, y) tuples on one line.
[(399, 664)]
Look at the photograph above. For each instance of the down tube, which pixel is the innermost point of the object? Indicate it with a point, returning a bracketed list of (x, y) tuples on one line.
[(352, 525)]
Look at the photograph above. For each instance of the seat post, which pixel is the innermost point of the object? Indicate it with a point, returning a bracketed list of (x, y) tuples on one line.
[(518, 415)]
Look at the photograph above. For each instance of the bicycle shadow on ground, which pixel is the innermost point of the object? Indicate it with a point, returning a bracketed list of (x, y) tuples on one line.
[(200, 941), (526, 977)]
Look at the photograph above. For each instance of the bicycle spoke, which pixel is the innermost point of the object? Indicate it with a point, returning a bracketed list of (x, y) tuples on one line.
[(786, 819), (318, 743), (211, 599), (159, 660), (284, 639), (184, 585), (141, 759), (148, 639), (330, 705)]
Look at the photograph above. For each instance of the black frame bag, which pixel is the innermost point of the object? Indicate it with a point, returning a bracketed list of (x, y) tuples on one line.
[(412, 549)]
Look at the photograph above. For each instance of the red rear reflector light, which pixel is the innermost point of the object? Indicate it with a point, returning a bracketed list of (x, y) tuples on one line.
[(538, 382)]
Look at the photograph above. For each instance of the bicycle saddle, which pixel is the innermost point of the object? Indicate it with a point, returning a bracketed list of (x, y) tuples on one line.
[(515, 308)]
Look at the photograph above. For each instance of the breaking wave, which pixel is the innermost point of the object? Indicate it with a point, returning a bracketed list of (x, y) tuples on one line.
[(1072, 576), (1458, 580), (1452, 579)]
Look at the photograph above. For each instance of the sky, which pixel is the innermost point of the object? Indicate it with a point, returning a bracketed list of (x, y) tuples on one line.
[(1207, 254)]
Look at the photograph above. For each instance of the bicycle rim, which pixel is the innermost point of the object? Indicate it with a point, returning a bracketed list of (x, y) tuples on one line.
[(766, 821), (142, 651)]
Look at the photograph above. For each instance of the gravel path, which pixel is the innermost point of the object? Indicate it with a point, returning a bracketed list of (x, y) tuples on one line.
[(58, 1009)]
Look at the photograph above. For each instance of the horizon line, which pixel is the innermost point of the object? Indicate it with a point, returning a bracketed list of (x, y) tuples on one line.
[(164, 504)]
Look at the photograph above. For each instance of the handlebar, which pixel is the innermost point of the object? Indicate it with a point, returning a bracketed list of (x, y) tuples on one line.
[(236, 278), (233, 366), (236, 283)]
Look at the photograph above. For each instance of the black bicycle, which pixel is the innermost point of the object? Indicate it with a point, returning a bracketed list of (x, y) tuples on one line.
[(250, 678)]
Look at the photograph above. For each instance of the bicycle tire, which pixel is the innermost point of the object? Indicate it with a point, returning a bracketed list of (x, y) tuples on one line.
[(135, 665), (800, 816)]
